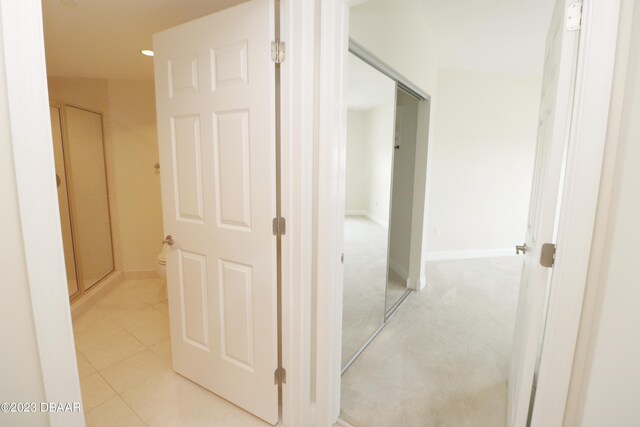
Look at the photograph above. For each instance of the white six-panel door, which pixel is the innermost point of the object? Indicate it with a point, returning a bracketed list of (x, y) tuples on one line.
[(553, 129), (215, 87)]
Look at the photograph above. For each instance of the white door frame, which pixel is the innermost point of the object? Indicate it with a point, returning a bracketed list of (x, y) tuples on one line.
[(297, 85), (581, 182), (21, 39)]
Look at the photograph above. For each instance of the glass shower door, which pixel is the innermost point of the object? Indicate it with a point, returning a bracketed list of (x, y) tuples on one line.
[(63, 200), (89, 197)]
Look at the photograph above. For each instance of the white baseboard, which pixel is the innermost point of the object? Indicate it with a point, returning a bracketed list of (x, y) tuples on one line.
[(367, 214), (140, 274), (398, 269), (356, 212), (80, 305), (377, 220), (480, 253)]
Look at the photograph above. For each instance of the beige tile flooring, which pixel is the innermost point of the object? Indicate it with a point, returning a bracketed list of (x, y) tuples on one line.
[(124, 360)]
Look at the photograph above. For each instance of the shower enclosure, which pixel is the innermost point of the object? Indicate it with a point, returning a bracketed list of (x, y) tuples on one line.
[(380, 225), (81, 178)]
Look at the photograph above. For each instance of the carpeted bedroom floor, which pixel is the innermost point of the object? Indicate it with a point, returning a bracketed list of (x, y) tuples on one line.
[(443, 359)]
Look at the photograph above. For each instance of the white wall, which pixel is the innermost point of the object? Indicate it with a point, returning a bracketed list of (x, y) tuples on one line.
[(483, 120), (20, 373), (357, 165), (607, 383), (380, 160), (132, 121), (368, 162), (128, 108), (370, 129), (482, 160)]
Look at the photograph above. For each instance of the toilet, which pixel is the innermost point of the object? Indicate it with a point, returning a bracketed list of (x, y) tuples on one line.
[(161, 265)]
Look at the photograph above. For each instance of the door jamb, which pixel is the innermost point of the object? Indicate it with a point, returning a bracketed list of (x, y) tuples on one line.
[(578, 208), (577, 212), (22, 39), (297, 30)]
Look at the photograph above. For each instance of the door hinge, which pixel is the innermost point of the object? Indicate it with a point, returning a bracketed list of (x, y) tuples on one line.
[(277, 51), (342, 258), (574, 16), (279, 376), (279, 226), (548, 255)]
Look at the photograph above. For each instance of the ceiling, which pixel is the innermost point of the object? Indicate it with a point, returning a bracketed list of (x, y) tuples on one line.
[(486, 35), (103, 38)]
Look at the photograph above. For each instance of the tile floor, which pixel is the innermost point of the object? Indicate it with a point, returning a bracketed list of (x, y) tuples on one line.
[(124, 360)]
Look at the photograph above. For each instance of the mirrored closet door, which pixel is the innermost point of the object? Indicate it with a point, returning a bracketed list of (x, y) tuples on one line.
[(81, 178), (382, 124)]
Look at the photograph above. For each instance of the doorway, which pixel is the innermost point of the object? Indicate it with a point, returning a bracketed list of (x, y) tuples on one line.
[(202, 121), (484, 126)]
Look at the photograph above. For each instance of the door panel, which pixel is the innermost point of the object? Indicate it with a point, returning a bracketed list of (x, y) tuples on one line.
[(553, 129), (215, 93), (89, 195)]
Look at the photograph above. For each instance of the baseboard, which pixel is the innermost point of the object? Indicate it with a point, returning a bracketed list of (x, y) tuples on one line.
[(399, 269), (80, 305), (367, 214), (480, 253), (342, 422), (377, 220), (140, 274), (417, 285)]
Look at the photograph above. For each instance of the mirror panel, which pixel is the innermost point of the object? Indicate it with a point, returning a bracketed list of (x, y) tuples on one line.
[(369, 159)]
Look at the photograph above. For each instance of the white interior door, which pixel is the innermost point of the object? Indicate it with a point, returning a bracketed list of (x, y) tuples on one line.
[(215, 94), (553, 129)]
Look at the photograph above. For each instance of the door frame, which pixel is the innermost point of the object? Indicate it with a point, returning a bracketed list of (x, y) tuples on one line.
[(297, 23), (577, 212), (27, 98)]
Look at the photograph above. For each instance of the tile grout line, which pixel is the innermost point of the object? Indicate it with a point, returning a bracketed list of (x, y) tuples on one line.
[(144, 347)]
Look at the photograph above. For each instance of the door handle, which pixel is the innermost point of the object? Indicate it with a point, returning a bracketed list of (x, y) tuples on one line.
[(521, 248), (168, 240)]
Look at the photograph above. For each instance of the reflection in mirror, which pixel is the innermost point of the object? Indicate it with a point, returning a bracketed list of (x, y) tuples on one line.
[(369, 159), (400, 224)]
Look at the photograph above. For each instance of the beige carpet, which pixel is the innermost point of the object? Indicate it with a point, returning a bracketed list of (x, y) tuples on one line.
[(443, 359), (365, 277)]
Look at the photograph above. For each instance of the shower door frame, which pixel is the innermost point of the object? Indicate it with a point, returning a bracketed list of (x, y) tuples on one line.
[(61, 105)]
